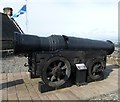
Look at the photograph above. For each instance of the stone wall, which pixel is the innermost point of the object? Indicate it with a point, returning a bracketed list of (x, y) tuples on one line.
[(114, 58)]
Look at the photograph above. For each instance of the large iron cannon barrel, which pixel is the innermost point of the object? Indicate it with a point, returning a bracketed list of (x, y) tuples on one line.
[(28, 43)]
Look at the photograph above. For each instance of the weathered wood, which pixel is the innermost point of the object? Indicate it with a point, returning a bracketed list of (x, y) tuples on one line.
[(30, 88), (4, 87), (21, 89), (19, 86)]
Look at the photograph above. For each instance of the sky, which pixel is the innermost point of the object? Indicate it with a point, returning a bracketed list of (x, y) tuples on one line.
[(93, 19)]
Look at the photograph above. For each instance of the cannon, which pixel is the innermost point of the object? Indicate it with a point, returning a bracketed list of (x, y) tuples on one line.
[(54, 58), (59, 59)]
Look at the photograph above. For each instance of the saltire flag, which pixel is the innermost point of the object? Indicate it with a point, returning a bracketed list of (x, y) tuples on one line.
[(20, 12)]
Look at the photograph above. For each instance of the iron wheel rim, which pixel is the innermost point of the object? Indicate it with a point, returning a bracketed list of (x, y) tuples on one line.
[(56, 71)]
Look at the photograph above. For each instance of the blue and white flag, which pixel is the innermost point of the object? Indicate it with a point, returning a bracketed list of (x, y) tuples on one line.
[(21, 11)]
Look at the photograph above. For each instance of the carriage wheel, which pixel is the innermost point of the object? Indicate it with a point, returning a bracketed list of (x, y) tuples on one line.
[(96, 68), (56, 71)]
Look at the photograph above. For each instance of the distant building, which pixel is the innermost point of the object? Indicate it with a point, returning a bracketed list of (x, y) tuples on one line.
[(8, 11), (9, 27)]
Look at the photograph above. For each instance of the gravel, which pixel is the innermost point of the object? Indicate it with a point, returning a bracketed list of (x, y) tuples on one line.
[(110, 96), (13, 64)]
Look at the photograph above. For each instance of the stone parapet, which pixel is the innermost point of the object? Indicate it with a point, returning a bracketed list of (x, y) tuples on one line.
[(114, 58)]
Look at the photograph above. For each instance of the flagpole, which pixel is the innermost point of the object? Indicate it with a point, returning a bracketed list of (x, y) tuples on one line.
[(26, 18)]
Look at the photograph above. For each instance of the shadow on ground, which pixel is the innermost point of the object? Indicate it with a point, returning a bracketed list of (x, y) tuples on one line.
[(109, 69), (11, 83)]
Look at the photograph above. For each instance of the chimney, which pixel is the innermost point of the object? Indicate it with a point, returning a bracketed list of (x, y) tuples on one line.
[(8, 11)]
